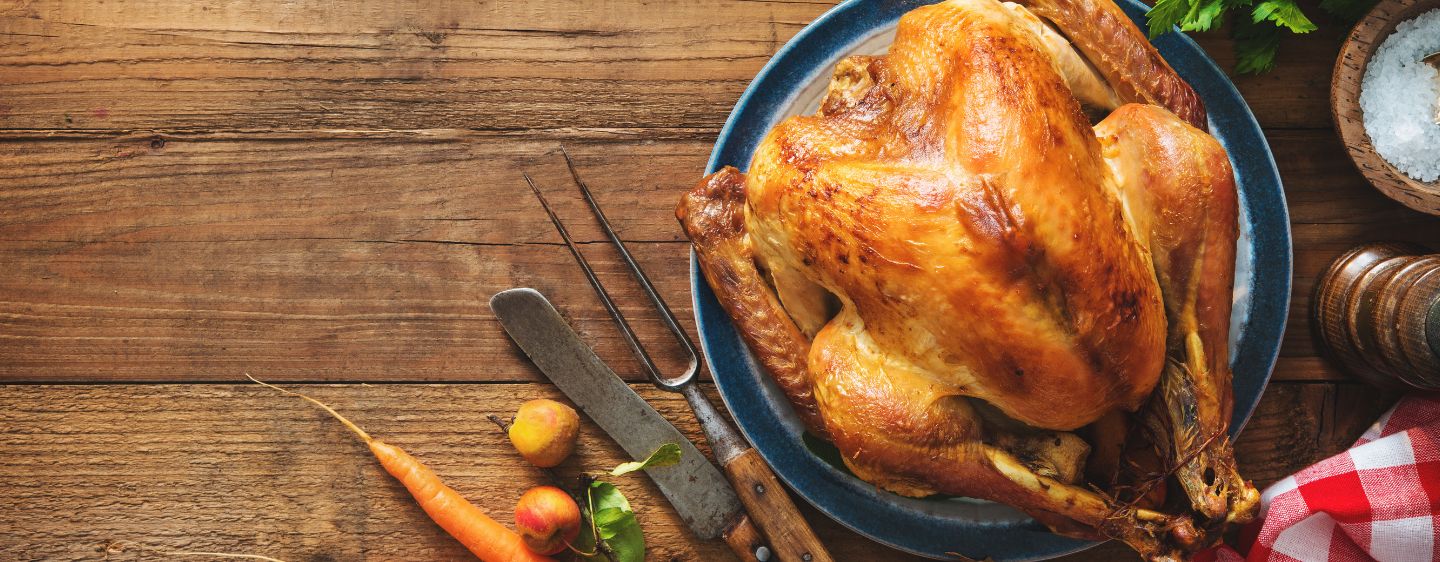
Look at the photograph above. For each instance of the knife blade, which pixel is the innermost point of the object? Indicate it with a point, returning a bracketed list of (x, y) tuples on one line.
[(698, 491)]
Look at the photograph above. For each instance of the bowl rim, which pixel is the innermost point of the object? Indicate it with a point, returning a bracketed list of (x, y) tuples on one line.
[(1346, 83)]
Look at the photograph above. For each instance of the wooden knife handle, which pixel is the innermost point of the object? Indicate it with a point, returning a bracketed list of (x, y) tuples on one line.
[(746, 541), (770, 508)]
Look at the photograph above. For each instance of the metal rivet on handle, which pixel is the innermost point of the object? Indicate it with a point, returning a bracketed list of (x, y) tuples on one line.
[(762, 554), (807, 557), (759, 488)]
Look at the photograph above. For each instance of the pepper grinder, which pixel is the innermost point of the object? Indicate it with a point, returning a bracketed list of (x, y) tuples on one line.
[(1377, 311)]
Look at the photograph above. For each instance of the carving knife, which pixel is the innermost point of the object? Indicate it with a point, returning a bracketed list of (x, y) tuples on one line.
[(699, 492)]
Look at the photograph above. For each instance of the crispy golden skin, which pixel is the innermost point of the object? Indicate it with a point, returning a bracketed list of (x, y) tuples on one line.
[(935, 234), (948, 268), (1179, 187)]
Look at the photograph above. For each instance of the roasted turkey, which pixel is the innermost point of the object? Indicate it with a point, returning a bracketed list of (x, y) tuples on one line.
[(973, 290)]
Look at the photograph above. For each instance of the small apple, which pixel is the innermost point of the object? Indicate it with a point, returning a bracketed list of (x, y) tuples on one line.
[(544, 432), (548, 519)]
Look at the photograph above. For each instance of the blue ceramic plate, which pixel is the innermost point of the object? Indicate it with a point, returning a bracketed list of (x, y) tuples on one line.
[(792, 83)]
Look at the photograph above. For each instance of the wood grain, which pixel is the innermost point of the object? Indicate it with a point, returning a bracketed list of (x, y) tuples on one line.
[(745, 541), (346, 260), (172, 65), (241, 468)]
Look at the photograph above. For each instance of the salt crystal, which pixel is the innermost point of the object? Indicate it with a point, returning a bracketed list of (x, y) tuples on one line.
[(1399, 94)]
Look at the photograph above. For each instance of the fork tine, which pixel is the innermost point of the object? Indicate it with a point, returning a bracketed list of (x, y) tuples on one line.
[(609, 303), (658, 301)]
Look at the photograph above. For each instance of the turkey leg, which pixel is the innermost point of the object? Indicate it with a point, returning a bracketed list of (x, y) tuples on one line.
[(1179, 189)]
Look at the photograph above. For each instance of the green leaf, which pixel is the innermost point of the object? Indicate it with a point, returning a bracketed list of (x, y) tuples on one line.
[(668, 454), (606, 496), (1255, 46), (1202, 15), (622, 532), (1284, 13), (612, 521), (1166, 14), (1258, 23), (616, 524)]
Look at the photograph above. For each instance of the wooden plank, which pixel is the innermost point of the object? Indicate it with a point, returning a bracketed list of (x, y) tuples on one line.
[(1296, 93), (499, 65), (142, 188), (1332, 209), (342, 260), (242, 469), (1322, 187), (203, 257), (301, 310), (1298, 424), (403, 65)]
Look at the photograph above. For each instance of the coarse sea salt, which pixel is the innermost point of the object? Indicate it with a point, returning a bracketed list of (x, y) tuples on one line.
[(1399, 95)]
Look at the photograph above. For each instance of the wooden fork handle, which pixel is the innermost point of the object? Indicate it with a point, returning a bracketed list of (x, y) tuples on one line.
[(770, 509), (745, 540)]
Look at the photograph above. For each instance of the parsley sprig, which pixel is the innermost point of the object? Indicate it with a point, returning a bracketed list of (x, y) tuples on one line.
[(1257, 26)]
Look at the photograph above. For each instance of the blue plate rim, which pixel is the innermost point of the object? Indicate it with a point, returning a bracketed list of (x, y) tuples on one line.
[(1269, 306)]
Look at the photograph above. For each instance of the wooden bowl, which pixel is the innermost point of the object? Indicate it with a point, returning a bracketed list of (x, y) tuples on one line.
[(1345, 104)]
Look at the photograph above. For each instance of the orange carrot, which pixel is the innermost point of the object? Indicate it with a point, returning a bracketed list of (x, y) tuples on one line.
[(485, 537)]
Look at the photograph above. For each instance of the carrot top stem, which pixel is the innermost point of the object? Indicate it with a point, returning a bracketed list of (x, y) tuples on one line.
[(355, 428)]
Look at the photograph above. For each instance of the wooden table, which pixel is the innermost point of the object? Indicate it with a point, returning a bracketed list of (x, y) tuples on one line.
[(327, 192)]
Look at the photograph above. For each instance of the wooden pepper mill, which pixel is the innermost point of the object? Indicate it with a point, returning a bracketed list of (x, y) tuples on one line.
[(1377, 310)]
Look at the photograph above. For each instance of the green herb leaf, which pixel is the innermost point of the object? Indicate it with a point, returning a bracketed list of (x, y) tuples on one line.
[(1256, 29), (1202, 15), (615, 524), (668, 454), (1166, 14), (1283, 13), (1255, 46)]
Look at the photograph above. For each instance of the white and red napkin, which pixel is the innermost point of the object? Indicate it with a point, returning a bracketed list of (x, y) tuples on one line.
[(1378, 501)]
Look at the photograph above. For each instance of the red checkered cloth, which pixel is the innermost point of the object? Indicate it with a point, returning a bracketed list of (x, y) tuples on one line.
[(1380, 500)]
